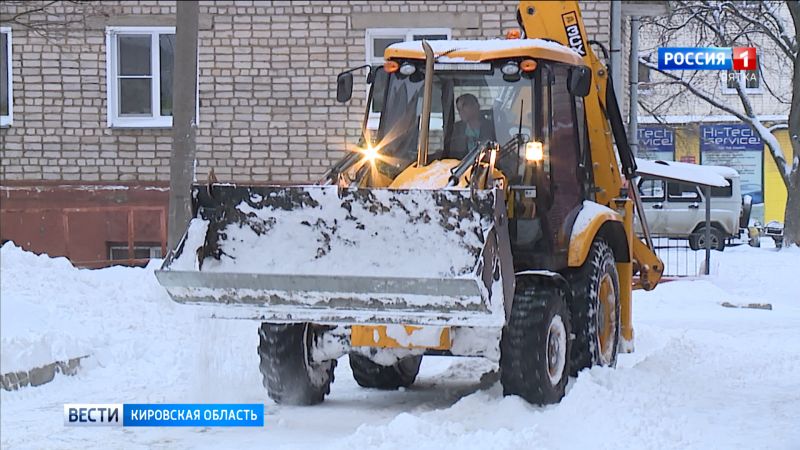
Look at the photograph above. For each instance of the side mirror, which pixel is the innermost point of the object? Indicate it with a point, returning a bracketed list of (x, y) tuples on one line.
[(344, 87), (579, 81)]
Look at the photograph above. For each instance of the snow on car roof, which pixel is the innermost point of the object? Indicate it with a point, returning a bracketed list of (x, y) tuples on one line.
[(487, 49), (690, 173)]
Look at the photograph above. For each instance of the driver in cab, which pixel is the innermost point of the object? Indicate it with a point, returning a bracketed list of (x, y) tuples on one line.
[(472, 130)]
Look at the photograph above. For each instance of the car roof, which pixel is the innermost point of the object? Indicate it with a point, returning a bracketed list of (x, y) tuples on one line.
[(685, 172)]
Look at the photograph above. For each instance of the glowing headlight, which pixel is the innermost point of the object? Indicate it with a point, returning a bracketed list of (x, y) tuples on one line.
[(534, 151), (408, 69), (370, 153), (510, 68)]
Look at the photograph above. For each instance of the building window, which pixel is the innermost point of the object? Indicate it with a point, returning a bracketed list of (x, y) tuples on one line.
[(6, 78), (377, 39), (139, 70), (148, 250), (750, 78)]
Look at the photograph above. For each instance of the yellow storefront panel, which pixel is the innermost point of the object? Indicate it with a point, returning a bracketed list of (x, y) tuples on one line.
[(774, 189)]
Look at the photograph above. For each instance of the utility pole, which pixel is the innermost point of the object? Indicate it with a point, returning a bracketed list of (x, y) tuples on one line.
[(615, 50), (184, 126), (633, 79)]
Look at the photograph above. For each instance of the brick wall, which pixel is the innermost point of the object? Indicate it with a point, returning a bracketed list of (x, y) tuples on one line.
[(266, 82)]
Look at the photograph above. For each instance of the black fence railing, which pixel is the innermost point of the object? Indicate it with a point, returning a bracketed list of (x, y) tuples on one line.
[(678, 257)]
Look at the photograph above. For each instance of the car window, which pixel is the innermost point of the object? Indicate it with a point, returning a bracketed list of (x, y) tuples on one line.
[(682, 192), (651, 189), (726, 191)]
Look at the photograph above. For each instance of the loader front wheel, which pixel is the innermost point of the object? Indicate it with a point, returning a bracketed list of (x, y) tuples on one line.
[(595, 309), (288, 373), (534, 349), (370, 374)]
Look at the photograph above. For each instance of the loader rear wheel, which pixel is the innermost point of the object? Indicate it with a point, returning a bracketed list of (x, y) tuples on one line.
[(370, 374), (288, 374), (534, 349), (595, 309)]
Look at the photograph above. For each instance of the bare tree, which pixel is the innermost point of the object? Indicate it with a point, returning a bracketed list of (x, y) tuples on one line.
[(51, 19), (742, 24)]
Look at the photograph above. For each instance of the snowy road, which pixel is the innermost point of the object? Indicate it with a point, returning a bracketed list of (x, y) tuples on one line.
[(702, 376)]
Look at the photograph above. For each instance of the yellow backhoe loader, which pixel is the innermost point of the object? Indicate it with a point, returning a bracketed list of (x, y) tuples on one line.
[(487, 215)]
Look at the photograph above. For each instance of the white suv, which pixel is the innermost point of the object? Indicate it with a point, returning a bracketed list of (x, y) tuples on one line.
[(677, 210)]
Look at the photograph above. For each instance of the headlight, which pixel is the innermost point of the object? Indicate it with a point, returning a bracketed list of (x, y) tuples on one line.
[(370, 153), (408, 68), (510, 68), (534, 152)]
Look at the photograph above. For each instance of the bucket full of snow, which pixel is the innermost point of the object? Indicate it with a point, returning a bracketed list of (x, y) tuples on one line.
[(331, 255)]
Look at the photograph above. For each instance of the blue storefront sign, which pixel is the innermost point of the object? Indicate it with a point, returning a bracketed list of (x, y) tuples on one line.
[(656, 142), (737, 146)]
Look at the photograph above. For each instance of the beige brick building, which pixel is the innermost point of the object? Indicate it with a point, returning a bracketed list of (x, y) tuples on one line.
[(267, 71), (266, 79)]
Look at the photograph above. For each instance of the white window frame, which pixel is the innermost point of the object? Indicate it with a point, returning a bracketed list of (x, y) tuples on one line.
[(407, 34), (112, 86), (740, 74), (7, 121)]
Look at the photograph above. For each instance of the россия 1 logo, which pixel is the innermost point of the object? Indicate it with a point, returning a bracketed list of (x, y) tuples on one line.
[(707, 58)]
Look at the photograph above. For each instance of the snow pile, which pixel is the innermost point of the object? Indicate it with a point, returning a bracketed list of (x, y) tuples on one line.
[(34, 330), (52, 311), (383, 233)]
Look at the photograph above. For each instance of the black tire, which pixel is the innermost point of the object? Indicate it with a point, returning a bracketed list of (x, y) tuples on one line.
[(747, 209), (370, 374), (534, 357), (587, 310), (288, 375), (698, 238)]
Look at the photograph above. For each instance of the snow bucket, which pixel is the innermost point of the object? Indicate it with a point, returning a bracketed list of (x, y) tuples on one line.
[(330, 255)]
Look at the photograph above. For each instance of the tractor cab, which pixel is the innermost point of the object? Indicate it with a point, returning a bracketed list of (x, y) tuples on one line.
[(519, 99)]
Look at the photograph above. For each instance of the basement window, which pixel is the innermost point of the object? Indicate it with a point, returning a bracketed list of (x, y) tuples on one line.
[(119, 251), (139, 70)]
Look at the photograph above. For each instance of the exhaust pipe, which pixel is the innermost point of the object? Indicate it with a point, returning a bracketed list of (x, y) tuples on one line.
[(422, 152)]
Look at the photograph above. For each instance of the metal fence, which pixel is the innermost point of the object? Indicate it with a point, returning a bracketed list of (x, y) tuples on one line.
[(678, 258)]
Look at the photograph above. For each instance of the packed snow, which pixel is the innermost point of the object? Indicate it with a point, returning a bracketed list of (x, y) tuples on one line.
[(589, 211), (691, 173), (487, 45), (390, 234), (702, 375)]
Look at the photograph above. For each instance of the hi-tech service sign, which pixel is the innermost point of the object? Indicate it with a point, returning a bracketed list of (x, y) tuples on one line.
[(737, 146), (707, 58), (656, 143)]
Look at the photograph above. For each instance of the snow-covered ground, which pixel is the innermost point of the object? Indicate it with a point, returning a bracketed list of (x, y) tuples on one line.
[(702, 376)]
